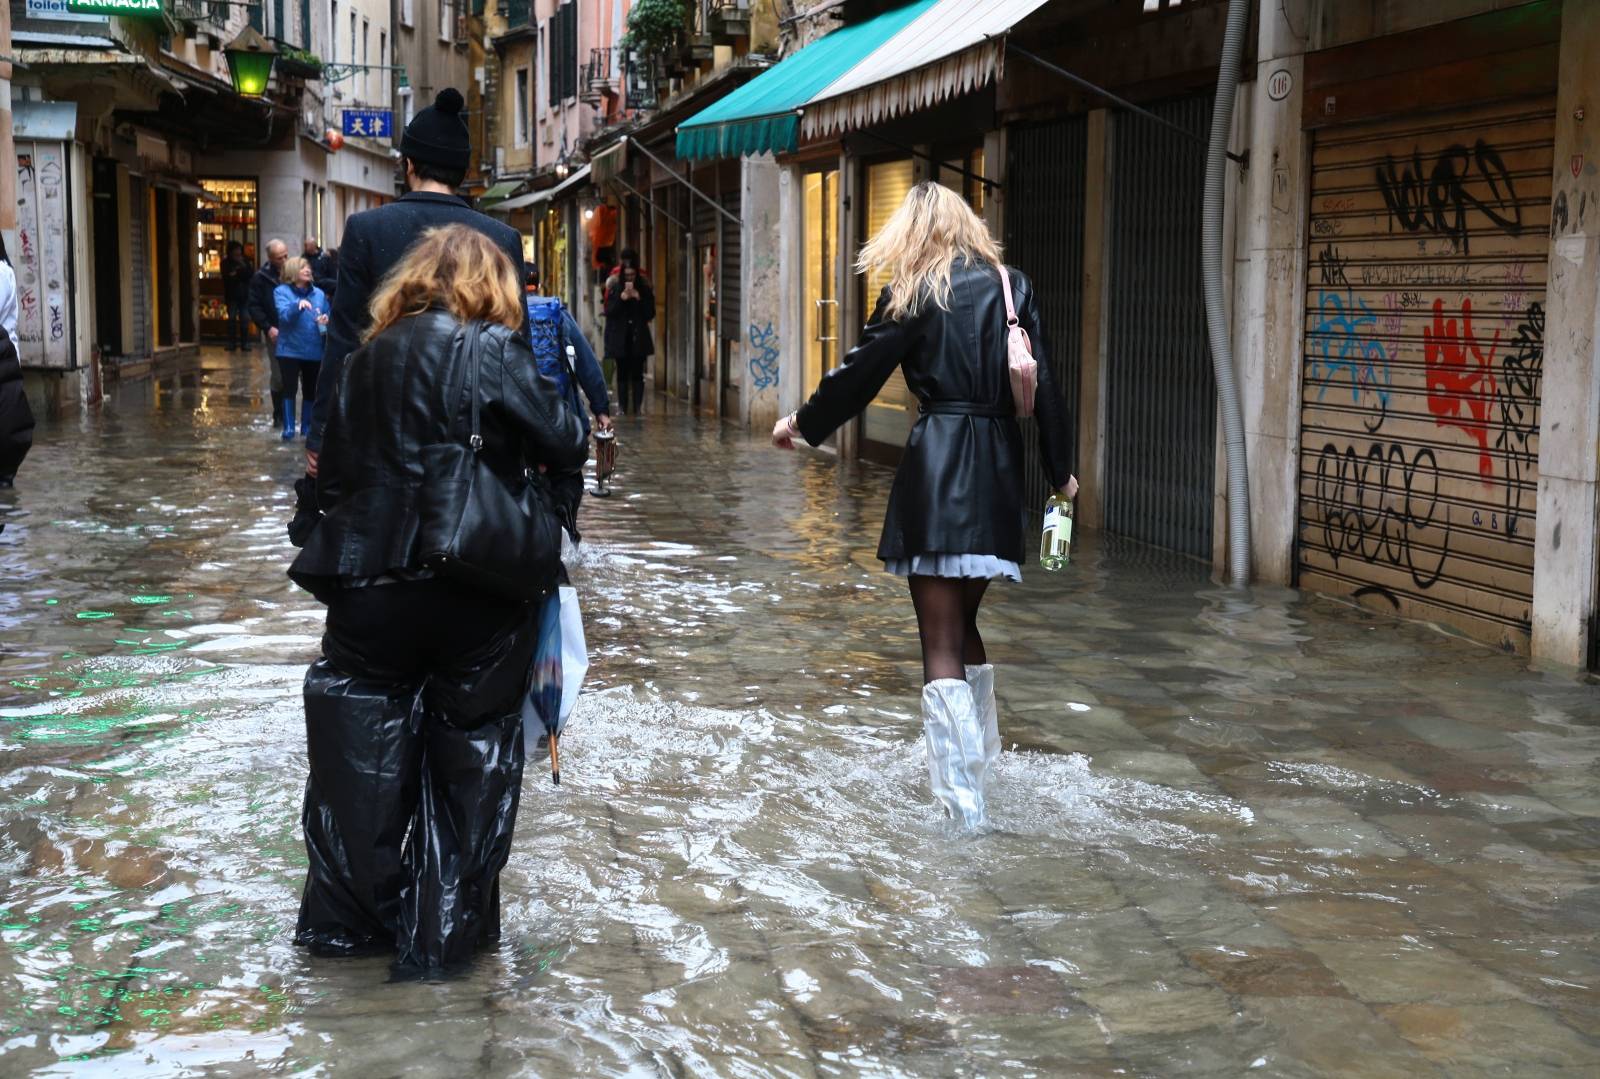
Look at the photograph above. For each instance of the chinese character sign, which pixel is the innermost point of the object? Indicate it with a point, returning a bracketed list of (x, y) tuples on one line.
[(373, 123)]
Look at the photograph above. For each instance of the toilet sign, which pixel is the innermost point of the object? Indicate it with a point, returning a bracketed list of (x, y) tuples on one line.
[(1279, 83)]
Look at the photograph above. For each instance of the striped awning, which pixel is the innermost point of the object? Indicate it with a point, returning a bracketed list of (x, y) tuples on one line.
[(902, 60)]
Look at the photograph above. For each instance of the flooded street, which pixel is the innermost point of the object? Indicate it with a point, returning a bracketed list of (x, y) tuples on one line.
[(1236, 832)]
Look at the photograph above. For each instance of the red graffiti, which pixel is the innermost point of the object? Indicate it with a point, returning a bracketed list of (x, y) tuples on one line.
[(1453, 382)]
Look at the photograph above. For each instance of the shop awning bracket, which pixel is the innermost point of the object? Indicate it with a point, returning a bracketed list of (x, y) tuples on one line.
[(649, 202), (684, 180), (992, 185), (1121, 102)]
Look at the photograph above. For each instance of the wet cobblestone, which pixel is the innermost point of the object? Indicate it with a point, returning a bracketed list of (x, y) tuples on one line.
[(1261, 831)]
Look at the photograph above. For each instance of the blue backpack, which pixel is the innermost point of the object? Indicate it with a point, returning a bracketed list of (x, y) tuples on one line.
[(552, 353)]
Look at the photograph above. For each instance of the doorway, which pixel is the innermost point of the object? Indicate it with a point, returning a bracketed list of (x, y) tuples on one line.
[(819, 258)]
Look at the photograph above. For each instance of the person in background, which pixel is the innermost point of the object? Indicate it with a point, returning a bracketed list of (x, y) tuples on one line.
[(324, 267), (16, 417), (557, 340), (236, 274), (435, 152), (263, 310), (413, 712), (954, 520), (302, 311), (630, 306)]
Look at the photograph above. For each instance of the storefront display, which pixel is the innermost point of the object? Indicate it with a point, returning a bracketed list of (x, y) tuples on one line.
[(232, 215)]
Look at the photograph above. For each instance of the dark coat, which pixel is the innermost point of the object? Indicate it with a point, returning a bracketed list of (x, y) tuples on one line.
[(628, 321), (373, 242), (236, 274), (325, 271), (404, 390), (260, 305), (959, 486), (16, 417)]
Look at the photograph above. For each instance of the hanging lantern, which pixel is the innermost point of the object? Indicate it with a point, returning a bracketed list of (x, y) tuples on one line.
[(250, 59), (333, 139)]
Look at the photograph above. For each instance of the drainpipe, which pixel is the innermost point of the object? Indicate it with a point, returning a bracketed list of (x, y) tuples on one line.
[(1216, 307)]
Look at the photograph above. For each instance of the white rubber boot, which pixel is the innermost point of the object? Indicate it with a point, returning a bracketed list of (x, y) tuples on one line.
[(956, 762), (981, 679)]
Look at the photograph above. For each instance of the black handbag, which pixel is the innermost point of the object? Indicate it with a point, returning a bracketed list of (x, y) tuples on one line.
[(495, 534)]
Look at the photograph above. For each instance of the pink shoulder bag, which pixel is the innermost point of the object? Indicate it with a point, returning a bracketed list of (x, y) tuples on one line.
[(1019, 354)]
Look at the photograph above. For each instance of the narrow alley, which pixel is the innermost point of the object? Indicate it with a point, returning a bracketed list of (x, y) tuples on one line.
[(1233, 830)]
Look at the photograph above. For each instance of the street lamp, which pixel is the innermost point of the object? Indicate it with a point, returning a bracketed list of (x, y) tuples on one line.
[(250, 59)]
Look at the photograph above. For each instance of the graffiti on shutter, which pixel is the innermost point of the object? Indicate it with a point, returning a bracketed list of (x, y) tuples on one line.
[(1423, 352), (44, 328)]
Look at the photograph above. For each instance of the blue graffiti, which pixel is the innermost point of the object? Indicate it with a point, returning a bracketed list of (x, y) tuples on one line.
[(1344, 347), (763, 356)]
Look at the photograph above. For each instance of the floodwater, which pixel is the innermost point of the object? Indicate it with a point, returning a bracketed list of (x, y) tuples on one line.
[(1234, 834)]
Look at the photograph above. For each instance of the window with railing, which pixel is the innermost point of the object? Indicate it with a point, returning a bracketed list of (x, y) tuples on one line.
[(599, 75)]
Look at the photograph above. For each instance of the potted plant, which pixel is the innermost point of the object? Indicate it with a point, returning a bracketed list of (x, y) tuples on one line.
[(298, 63)]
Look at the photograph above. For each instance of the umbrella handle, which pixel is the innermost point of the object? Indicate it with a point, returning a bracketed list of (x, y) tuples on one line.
[(555, 759)]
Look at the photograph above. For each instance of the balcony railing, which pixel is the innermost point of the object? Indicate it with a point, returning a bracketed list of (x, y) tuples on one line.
[(599, 75), (517, 13)]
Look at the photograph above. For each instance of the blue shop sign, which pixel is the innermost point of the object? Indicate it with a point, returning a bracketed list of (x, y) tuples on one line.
[(372, 123)]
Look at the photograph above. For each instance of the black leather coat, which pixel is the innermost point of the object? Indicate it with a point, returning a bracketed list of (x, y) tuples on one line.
[(403, 390), (16, 418), (959, 486), (373, 241)]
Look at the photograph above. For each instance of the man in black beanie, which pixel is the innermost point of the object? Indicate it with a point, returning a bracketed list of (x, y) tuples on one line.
[(434, 152)]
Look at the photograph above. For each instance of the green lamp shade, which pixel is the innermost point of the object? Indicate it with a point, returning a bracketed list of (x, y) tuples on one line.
[(250, 59)]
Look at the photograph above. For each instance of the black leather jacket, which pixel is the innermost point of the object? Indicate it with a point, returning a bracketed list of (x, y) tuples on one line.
[(406, 389), (959, 486)]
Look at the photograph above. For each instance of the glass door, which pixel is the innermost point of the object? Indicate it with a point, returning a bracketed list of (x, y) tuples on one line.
[(888, 419), (820, 257)]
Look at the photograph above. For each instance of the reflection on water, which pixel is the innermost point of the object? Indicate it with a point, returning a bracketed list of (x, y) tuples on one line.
[(1233, 833)]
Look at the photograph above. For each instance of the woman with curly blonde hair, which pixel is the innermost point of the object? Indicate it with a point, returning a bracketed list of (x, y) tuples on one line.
[(413, 712), (954, 520)]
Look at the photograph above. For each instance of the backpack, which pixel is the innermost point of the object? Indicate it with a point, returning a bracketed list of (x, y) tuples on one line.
[(551, 350)]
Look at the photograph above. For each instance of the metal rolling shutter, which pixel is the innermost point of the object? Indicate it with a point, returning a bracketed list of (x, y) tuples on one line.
[(728, 292), (139, 300), (1044, 239), (1160, 423), (1423, 353), (888, 419)]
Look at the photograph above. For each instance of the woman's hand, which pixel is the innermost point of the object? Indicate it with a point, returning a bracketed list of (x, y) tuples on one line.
[(784, 433), (1070, 491)]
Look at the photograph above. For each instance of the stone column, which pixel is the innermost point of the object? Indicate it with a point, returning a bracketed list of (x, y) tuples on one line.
[(760, 354), (1269, 283), (1569, 428)]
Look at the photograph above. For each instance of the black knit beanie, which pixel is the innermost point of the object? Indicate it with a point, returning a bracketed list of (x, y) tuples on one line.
[(438, 135)]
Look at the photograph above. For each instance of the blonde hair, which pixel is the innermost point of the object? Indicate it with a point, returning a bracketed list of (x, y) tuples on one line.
[(291, 269), (932, 228), (456, 268)]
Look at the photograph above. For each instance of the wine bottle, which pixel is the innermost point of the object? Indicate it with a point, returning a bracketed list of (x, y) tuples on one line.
[(1056, 542)]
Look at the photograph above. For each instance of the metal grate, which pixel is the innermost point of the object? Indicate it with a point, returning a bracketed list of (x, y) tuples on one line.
[(1160, 415), (1044, 239)]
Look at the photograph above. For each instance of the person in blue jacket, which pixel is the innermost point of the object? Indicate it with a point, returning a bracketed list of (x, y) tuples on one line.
[(302, 310), (561, 352)]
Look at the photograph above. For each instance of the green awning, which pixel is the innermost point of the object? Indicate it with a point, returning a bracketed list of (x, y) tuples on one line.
[(496, 192), (764, 114)]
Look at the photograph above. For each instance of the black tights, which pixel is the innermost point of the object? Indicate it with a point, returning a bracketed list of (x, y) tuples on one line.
[(947, 622)]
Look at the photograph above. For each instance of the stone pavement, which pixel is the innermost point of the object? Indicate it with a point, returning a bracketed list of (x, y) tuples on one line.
[(1234, 832)]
